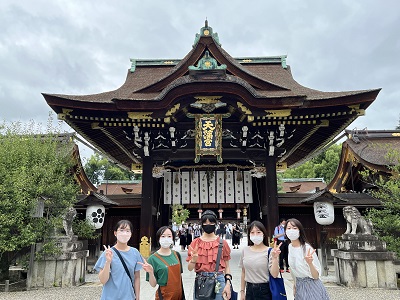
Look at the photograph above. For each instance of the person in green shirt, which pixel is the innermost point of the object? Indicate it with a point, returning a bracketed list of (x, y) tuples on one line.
[(164, 267)]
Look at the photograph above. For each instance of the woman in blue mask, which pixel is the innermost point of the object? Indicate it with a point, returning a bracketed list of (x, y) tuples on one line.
[(206, 246)]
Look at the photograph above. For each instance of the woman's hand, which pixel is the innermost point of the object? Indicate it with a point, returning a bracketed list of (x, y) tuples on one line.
[(194, 253), (108, 253), (226, 293), (309, 257), (276, 250), (146, 266)]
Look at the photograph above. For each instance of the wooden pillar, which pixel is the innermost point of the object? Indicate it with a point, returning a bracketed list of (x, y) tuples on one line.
[(272, 195), (146, 215)]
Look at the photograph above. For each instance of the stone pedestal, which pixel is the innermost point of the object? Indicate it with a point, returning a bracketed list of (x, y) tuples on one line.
[(363, 261), (65, 270)]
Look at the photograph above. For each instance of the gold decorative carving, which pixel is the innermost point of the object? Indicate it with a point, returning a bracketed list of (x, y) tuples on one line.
[(168, 62), (244, 109), (207, 99), (95, 125), (206, 32), (65, 112), (324, 123), (144, 246), (172, 110), (396, 134), (139, 115), (247, 60), (279, 113)]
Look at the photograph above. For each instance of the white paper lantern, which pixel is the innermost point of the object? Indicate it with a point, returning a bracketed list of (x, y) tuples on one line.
[(324, 213), (95, 215)]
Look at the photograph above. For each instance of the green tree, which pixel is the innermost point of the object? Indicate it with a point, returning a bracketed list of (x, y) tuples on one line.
[(386, 221), (323, 165), (179, 214), (98, 168), (32, 167)]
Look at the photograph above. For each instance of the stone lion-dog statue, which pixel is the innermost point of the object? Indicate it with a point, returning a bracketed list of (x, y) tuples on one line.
[(356, 224)]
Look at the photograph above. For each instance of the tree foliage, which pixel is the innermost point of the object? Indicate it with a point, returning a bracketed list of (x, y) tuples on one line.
[(32, 167), (386, 221), (179, 213), (99, 168), (322, 166)]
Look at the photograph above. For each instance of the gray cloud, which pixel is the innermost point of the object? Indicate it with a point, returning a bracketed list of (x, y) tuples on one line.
[(84, 47)]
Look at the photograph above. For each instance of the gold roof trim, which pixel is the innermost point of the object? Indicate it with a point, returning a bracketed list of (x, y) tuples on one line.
[(244, 109), (172, 110), (135, 115), (279, 113)]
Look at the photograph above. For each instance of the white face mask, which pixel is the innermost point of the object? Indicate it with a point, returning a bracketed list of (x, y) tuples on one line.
[(256, 239), (292, 234), (165, 242), (123, 237)]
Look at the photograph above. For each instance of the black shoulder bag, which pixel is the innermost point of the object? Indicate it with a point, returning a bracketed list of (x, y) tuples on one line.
[(123, 263), (204, 286)]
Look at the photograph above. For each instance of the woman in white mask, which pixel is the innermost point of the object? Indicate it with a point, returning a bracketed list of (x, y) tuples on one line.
[(304, 264), (164, 267), (256, 264), (119, 282)]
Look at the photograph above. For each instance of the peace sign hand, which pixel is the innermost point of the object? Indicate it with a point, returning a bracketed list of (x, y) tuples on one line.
[(276, 250), (194, 253), (109, 253), (146, 266), (309, 257)]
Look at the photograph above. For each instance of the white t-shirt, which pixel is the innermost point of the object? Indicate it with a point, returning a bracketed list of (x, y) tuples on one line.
[(298, 265)]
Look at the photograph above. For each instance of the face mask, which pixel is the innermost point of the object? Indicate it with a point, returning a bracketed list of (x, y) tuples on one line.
[(292, 234), (123, 237), (165, 242), (256, 239), (209, 228)]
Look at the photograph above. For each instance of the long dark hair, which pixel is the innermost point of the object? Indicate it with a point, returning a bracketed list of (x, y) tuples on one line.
[(260, 226), (302, 237), (160, 232)]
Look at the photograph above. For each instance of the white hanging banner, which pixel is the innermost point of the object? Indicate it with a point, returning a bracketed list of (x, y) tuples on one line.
[(176, 188), (248, 187), (211, 188), (239, 195), (194, 187), (229, 190), (167, 188), (185, 188), (203, 187), (220, 187)]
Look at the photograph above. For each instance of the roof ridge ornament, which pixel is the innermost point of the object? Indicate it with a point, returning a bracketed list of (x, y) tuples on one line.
[(207, 62), (206, 31)]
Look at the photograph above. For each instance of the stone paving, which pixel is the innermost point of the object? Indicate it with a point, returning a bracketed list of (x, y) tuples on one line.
[(91, 290)]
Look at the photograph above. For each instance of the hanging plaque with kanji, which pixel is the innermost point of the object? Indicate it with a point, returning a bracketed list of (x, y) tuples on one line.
[(208, 136)]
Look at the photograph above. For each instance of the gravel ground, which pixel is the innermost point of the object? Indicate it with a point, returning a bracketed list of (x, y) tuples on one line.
[(92, 292)]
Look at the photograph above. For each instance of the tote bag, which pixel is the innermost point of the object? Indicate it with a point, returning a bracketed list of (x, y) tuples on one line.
[(277, 285)]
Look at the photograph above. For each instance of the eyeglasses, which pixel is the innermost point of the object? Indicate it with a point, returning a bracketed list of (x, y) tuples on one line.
[(124, 231)]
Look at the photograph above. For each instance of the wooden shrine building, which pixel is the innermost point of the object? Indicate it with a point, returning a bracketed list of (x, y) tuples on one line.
[(210, 130)]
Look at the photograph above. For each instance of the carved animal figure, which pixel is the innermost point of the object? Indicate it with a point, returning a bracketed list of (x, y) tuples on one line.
[(356, 224), (67, 221)]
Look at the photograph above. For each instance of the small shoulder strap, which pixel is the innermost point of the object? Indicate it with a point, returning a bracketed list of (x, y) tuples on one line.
[(219, 254), (123, 263)]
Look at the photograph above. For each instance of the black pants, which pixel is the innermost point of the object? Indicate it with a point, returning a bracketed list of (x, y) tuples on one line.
[(284, 255), (258, 291)]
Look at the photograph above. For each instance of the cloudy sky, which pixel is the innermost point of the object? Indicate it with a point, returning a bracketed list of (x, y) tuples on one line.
[(84, 47)]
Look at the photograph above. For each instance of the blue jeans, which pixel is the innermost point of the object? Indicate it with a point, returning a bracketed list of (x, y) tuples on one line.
[(258, 291), (221, 280)]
